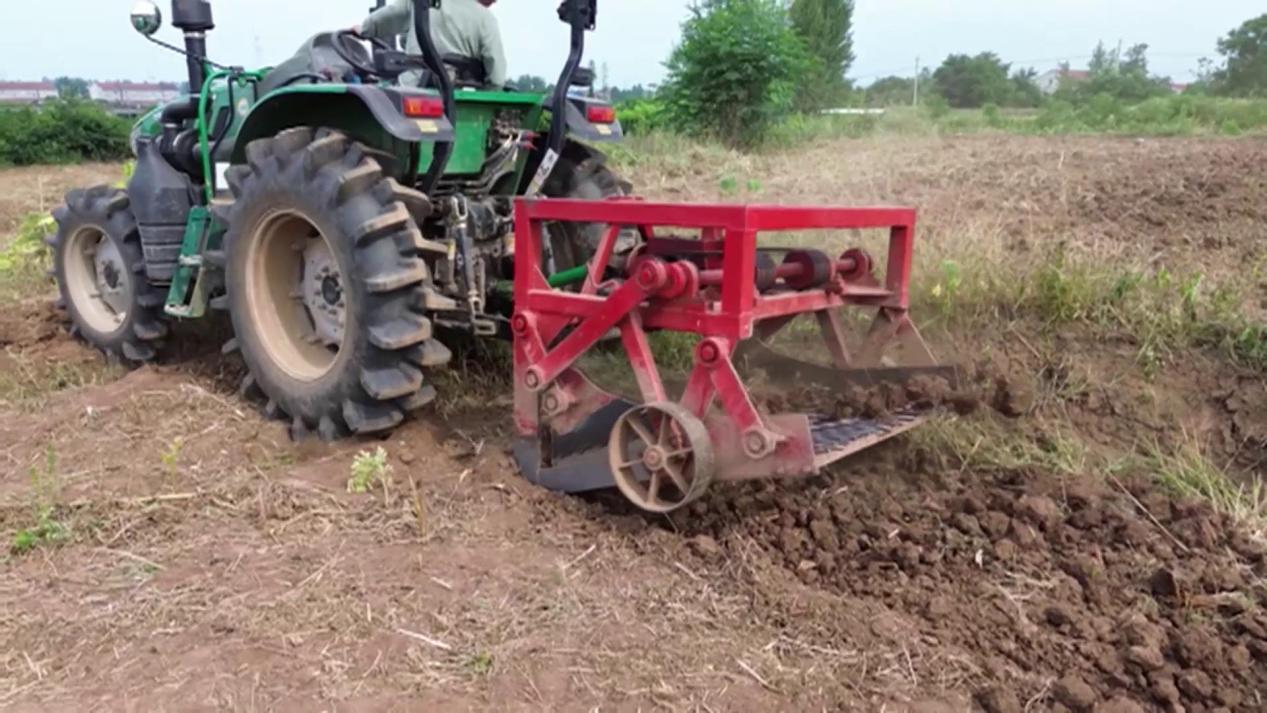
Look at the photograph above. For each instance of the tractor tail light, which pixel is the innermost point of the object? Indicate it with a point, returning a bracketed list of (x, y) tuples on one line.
[(424, 107), (600, 114)]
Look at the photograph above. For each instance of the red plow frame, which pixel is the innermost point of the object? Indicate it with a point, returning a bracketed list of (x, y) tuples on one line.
[(663, 452)]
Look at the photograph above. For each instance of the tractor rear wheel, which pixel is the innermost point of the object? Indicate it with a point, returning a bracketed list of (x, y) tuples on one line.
[(100, 271), (327, 287), (582, 173)]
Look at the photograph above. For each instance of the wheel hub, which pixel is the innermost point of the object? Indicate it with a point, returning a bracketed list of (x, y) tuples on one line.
[(653, 458), (322, 288), (108, 266)]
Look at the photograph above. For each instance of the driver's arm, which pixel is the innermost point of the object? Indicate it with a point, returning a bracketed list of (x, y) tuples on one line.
[(493, 54), (389, 21)]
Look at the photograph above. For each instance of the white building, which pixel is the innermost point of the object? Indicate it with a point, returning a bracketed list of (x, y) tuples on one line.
[(26, 92), (133, 93), (1052, 80)]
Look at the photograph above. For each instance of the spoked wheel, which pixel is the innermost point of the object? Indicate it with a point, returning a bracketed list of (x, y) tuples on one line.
[(661, 457), (100, 271)]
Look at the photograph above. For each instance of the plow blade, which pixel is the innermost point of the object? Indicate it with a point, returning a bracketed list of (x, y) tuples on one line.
[(573, 462)]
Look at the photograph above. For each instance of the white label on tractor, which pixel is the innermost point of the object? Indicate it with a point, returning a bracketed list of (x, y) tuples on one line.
[(222, 179), (428, 127), (543, 173), (604, 130)]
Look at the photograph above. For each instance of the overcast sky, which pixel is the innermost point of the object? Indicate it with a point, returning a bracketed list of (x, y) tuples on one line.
[(92, 38)]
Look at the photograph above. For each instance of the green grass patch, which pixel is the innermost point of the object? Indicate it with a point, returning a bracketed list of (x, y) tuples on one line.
[(45, 529), (25, 259), (1160, 311)]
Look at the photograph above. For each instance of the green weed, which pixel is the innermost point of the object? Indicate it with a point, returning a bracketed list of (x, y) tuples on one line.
[(170, 457), (46, 529), (25, 259), (369, 470), (480, 664)]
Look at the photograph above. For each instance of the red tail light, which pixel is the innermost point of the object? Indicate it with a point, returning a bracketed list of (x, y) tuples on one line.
[(600, 114), (424, 107)]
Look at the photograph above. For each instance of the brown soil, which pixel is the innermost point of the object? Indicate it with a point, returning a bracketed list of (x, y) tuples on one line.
[(212, 564), (1021, 578)]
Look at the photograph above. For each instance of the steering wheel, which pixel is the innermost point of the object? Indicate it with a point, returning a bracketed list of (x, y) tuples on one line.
[(347, 45)]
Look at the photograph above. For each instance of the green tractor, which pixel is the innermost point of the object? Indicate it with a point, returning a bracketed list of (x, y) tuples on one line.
[(342, 220)]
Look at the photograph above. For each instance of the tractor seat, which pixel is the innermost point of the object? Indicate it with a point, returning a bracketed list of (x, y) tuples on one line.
[(466, 72)]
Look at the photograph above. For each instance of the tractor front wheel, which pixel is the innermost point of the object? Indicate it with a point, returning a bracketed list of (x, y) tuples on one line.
[(100, 271), (326, 285)]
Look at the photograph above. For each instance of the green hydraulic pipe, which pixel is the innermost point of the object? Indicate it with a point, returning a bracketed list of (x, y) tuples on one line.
[(569, 277)]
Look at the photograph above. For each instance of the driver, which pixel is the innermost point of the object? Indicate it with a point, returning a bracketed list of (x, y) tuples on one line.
[(462, 27)]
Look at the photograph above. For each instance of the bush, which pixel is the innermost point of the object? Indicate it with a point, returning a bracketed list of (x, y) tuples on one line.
[(642, 116), (736, 71), (62, 132)]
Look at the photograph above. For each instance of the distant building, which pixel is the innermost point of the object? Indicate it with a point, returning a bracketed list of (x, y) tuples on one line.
[(133, 94), (26, 92), (1052, 80), (1179, 88)]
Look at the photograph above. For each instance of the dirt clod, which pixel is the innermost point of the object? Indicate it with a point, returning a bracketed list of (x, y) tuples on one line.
[(1000, 700), (1119, 704), (1075, 693), (1196, 684)]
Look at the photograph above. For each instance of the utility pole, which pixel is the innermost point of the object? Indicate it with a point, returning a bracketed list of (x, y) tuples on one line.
[(915, 99)]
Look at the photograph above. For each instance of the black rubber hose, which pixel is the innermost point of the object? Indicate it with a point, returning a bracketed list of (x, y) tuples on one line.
[(179, 112), (558, 119), (431, 56)]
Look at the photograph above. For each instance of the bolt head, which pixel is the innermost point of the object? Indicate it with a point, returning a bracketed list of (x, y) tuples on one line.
[(709, 353), (532, 380), (755, 444), (653, 458)]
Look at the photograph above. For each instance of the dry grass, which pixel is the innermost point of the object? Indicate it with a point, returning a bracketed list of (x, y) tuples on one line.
[(27, 382), (1187, 469)]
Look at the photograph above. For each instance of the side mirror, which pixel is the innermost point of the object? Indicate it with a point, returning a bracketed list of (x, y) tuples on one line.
[(146, 17)]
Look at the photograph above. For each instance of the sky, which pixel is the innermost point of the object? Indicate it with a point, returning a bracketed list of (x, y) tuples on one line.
[(94, 39)]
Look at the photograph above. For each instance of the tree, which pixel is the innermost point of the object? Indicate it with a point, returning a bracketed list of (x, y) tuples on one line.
[(1122, 77), (826, 28), (971, 82), (891, 91), (71, 87), (1245, 50), (633, 93), (735, 71), (1025, 91)]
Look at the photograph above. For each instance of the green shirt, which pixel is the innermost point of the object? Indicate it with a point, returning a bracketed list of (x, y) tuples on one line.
[(463, 27)]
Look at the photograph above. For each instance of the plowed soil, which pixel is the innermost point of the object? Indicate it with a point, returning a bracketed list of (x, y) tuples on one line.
[(209, 563)]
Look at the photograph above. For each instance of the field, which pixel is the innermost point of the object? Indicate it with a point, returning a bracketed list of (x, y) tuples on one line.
[(1092, 538)]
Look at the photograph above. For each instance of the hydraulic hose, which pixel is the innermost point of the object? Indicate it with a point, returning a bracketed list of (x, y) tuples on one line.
[(576, 13), (431, 56)]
